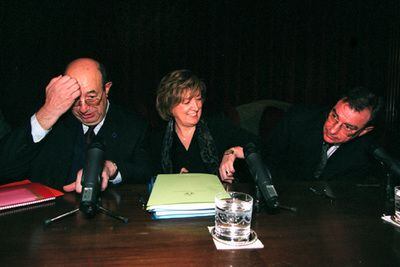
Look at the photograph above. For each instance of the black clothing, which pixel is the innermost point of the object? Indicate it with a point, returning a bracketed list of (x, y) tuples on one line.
[(190, 158), (17, 150), (206, 147), (122, 133), (294, 149), (222, 136)]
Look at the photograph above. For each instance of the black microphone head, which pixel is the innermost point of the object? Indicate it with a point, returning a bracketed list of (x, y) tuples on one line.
[(382, 156), (91, 177), (98, 143), (261, 175), (94, 158)]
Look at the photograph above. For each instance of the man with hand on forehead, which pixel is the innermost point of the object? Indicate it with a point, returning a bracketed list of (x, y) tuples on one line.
[(61, 137), (315, 144)]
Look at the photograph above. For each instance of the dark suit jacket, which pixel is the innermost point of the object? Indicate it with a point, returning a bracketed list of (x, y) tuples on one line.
[(294, 149), (17, 149), (50, 160)]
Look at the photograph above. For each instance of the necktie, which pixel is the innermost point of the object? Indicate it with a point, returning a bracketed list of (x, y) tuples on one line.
[(324, 158), (89, 135), (78, 158)]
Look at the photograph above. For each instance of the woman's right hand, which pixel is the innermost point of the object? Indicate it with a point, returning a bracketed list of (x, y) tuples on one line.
[(226, 169)]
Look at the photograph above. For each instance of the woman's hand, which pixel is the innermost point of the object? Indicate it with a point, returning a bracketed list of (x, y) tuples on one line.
[(226, 168)]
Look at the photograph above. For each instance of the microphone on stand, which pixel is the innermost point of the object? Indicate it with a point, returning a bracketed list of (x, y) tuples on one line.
[(91, 182), (392, 165), (382, 156), (261, 175), (91, 178)]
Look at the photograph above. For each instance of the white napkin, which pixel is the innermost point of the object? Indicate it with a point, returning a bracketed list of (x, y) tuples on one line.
[(388, 219), (221, 246)]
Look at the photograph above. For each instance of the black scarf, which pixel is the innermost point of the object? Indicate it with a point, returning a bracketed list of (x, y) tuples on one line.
[(208, 150)]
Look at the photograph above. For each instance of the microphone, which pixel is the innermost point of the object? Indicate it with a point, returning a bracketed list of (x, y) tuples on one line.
[(91, 178), (91, 182), (261, 175), (381, 155)]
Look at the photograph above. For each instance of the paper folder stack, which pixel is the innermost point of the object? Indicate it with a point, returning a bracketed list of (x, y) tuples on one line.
[(25, 193), (184, 195)]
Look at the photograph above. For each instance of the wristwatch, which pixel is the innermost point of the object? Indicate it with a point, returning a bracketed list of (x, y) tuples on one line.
[(229, 151), (111, 180)]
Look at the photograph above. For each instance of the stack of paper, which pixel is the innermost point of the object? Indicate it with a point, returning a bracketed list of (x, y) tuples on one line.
[(184, 195)]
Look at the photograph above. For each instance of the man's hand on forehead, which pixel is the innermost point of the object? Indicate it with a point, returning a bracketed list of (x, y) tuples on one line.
[(61, 93)]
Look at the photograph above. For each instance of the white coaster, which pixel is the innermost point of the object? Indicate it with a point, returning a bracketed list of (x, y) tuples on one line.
[(222, 246)]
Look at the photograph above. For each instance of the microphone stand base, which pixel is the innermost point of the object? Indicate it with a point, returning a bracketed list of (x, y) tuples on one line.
[(261, 204), (59, 217), (112, 214), (99, 207)]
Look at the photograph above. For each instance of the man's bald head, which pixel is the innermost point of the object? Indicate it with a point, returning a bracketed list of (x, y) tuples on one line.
[(91, 107), (88, 64)]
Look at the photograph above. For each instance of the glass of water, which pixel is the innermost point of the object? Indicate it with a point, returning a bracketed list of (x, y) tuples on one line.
[(233, 217), (397, 202)]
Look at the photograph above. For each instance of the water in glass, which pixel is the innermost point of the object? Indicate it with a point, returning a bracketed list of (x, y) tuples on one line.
[(233, 217)]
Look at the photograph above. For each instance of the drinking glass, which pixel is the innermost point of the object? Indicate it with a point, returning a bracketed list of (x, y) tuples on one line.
[(233, 216)]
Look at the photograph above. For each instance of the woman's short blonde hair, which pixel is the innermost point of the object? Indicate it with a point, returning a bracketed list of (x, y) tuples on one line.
[(172, 88)]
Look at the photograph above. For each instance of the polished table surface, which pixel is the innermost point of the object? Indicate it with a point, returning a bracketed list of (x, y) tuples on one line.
[(344, 232)]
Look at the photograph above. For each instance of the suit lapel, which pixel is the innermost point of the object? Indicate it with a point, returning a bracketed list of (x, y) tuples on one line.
[(109, 132)]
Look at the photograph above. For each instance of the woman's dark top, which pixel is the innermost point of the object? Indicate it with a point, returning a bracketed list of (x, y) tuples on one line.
[(224, 135), (190, 159)]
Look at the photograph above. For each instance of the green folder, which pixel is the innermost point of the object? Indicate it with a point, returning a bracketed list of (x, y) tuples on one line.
[(189, 191)]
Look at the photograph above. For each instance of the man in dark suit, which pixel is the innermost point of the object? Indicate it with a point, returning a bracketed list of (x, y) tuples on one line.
[(325, 145), (58, 136)]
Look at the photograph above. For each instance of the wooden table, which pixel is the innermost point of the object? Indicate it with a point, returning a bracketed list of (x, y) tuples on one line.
[(345, 232)]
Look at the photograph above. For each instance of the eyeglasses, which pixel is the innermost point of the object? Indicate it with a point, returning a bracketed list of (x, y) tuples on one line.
[(334, 118), (91, 100)]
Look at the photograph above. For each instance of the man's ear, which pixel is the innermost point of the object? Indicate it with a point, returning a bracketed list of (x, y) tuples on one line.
[(366, 130), (107, 87)]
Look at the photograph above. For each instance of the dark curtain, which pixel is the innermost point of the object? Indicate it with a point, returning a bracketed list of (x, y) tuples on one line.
[(296, 51)]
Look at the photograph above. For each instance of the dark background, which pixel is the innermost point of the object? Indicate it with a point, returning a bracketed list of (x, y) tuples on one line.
[(294, 51)]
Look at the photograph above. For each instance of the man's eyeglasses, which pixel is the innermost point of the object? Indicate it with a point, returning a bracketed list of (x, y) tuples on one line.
[(334, 117), (90, 100)]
